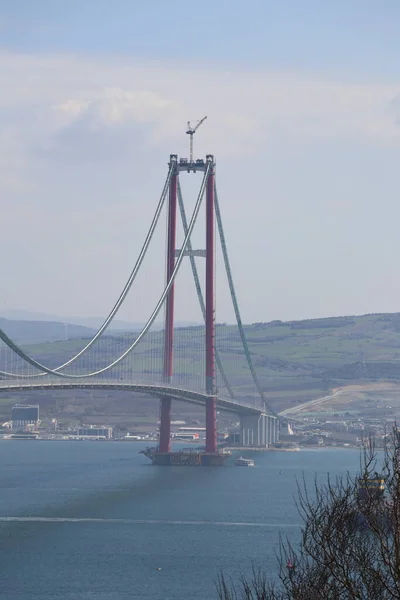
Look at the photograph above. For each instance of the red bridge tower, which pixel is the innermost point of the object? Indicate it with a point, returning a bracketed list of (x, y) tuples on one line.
[(211, 455)]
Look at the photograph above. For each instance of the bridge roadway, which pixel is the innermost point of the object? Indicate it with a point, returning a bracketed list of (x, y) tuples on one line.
[(309, 405), (157, 390)]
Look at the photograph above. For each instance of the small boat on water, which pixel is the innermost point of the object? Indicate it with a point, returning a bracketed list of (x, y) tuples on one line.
[(244, 462), (372, 487)]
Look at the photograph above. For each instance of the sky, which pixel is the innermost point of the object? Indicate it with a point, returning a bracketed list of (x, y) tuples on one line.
[(303, 107)]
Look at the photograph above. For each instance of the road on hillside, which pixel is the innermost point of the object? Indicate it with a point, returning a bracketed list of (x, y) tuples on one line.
[(310, 404)]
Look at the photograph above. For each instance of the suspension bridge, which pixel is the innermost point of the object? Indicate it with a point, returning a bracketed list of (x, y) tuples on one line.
[(208, 365)]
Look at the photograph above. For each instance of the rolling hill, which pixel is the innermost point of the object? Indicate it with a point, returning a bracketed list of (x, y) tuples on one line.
[(296, 360)]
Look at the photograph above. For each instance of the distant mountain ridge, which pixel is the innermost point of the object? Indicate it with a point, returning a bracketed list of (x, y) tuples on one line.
[(38, 332), (90, 322)]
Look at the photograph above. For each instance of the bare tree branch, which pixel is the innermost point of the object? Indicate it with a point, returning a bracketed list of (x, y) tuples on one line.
[(350, 539)]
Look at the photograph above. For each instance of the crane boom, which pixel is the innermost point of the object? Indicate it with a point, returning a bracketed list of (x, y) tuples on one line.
[(191, 131)]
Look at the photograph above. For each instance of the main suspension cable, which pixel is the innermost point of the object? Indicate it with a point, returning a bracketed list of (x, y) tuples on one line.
[(198, 286), (126, 289), (236, 303), (145, 329)]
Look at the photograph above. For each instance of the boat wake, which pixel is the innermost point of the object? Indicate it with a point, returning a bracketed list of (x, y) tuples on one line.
[(140, 522)]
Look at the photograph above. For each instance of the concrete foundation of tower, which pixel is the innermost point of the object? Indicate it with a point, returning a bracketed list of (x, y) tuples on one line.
[(186, 458)]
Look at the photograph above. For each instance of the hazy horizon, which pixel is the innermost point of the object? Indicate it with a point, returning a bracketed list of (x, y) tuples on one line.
[(22, 315)]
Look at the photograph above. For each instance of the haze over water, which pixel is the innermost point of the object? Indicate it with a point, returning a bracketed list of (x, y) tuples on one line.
[(96, 520)]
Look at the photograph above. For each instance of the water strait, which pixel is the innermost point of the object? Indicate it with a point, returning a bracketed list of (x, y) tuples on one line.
[(83, 520)]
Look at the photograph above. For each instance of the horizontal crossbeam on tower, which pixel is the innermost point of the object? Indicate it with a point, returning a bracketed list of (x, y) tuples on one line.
[(197, 165), (198, 289), (199, 253), (191, 349), (29, 360)]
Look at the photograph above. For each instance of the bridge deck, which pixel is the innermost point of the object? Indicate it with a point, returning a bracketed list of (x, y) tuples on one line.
[(226, 404)]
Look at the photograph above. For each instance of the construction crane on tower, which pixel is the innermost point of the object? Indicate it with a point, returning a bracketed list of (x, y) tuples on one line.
[(191, 131)]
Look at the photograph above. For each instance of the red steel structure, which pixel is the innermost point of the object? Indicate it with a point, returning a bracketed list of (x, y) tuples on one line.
[(165, 408), (211, 405)]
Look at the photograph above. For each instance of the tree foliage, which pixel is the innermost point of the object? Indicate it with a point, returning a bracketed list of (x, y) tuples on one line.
[(350, 539)]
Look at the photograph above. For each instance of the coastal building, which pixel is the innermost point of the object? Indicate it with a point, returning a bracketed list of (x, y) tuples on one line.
[(93, 431), (24, 417)]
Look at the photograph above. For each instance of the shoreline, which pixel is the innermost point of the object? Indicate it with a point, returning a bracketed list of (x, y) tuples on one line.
[(229, 448)]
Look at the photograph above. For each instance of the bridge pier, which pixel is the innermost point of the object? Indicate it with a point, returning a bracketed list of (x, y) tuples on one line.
[(165, 425), (259, 430), (211, 426)]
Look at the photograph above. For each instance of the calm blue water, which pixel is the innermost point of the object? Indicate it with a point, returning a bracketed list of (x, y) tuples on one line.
[(94, 520)]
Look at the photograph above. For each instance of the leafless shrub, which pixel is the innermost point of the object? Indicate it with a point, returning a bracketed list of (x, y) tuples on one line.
[(350, 539)]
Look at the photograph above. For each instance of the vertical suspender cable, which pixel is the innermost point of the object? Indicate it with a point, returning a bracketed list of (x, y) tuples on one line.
[(236, 304), (198, 286), (150, 321), (127, 286)]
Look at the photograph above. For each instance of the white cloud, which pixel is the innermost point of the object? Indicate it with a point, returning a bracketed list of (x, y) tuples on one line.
[(243, 108), (114, 106), (71, 108), (84, 140)]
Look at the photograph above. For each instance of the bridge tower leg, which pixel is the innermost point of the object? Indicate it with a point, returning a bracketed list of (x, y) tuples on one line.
[(211, 404), (165, 408)]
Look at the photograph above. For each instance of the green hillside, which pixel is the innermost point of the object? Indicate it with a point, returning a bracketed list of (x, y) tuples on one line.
[(296, 361), (299, 360)]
